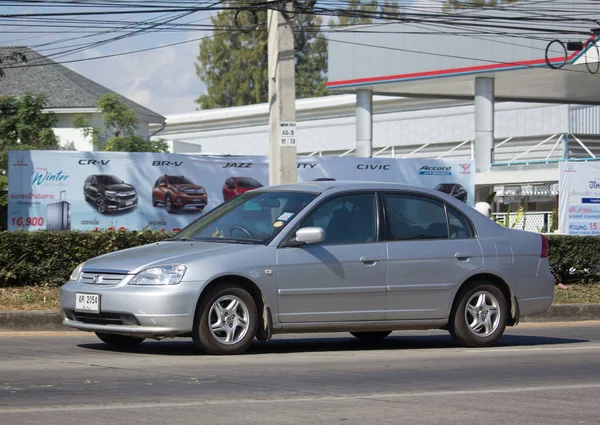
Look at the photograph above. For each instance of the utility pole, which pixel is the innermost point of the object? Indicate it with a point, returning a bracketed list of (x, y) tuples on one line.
[(282, 98)]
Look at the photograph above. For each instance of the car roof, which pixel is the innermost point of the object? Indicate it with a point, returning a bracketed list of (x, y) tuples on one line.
[(343, 185)]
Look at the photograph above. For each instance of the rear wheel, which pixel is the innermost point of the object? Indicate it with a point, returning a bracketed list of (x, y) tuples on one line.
[(479, 316), (371, 336), (119, 341), (226, 320)]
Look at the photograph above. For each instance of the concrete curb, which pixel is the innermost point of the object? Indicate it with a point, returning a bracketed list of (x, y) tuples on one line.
[(50, 320), (566, 313), (23, 320)]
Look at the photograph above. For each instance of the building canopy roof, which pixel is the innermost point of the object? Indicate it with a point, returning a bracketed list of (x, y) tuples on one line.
[(65, 88), (526, 46)]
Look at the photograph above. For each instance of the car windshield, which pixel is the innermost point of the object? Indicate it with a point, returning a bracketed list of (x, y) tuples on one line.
[(107, 180), (249, 218), (179, 180), (246, 182)]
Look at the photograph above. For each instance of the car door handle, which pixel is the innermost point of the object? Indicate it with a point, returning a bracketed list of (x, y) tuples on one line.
[(463, 255), (370, 260)]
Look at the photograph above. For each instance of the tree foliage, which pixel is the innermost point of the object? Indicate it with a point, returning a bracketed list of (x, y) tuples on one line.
[(12, 57), (450, 5), (118, 133), (233, 64), (23, 126), (360, 12)]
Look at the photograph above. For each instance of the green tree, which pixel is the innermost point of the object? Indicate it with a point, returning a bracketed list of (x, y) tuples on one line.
[(233, 64), (23, 126), (450, 5), (11, 58), (119, 131), (359, 12)]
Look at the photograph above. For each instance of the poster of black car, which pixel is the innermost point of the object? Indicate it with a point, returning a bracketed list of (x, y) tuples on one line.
[(109, 193)]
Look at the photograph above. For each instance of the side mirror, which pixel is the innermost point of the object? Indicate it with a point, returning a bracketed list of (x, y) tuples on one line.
[(310, 235)]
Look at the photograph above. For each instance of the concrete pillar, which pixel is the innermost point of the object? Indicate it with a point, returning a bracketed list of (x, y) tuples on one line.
[(484, 123), (364, 123)]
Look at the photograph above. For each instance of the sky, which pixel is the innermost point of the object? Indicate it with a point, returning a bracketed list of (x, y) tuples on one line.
[(163, 80)]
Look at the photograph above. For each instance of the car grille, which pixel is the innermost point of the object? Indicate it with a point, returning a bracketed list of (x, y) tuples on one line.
[(126, 194), (106, 279), (194, 191), (102, 318)]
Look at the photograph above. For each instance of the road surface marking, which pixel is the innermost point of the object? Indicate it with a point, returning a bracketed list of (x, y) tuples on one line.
[(227, 401)]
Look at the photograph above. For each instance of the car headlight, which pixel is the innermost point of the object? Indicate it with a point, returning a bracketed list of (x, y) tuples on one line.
[(111, 194), (163, 275), (76, 273)]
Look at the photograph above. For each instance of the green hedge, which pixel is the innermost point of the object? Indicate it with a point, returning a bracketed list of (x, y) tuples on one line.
[(48, 258), (574, 258)]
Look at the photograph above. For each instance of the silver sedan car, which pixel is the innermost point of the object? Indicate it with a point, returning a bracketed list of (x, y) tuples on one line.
[(330, 256)]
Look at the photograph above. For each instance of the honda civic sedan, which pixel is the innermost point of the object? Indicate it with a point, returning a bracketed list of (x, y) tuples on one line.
[(330, 256)]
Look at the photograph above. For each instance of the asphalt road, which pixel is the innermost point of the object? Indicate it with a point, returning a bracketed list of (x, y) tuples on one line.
[(538, 374)]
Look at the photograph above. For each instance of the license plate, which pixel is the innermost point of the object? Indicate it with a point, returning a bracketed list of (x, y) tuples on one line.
[(87, 302), (128, 203)]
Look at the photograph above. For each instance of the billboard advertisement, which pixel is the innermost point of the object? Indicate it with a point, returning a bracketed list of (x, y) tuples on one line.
[(579, 198), (70, 190)]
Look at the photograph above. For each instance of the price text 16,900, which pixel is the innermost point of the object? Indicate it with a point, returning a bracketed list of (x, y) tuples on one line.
[(28, 221)]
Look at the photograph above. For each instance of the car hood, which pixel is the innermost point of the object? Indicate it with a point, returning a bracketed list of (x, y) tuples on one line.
[(133, 260), (120, 187)]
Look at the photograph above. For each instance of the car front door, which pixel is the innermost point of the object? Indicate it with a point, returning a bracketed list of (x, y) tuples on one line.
[(342, 278), (432, 248)]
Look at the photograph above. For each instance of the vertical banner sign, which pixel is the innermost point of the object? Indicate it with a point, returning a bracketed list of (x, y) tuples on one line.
[(69, 190), (579, 198)]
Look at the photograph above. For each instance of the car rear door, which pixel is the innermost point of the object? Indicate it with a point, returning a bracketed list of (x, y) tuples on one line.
[(432, 248), (344, 277)]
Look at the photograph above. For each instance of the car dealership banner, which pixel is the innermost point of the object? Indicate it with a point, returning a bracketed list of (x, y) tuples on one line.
[(71, 190), (579, 198)]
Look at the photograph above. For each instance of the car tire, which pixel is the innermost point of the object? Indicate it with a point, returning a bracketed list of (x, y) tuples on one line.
[(371, 336), (101, 205), (216, 310), (119, 341), (479, 315), (169, 204), (154, 203)]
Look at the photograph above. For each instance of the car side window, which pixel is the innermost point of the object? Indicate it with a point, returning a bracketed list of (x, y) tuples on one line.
[(459, 225), (94, 181), (347, 219), (413, 217)]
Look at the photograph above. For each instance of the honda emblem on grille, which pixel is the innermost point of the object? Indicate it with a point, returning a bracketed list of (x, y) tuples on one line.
[(97, 279)]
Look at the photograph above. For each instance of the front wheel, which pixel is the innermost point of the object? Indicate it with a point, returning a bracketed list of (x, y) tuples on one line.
[(371, 336), (119, 341), (169, 204), (226, 320), (480, 315), (101, 205)]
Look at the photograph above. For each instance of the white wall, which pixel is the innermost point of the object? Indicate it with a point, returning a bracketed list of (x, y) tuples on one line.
[(328, 124)]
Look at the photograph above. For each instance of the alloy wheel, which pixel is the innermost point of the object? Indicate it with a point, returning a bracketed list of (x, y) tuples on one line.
[(229, 320), (482, 314)]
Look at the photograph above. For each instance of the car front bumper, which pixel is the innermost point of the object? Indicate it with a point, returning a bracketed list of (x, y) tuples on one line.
[(150, 312), (120, 205)]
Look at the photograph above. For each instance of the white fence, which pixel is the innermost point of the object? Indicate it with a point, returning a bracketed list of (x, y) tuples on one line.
[(538, 221)]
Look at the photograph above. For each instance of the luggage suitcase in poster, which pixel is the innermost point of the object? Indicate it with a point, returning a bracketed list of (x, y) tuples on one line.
[(58, 214)]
